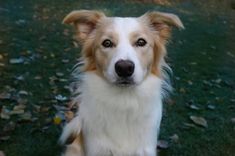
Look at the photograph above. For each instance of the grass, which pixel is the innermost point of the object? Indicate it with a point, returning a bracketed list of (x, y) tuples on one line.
[(200, 54)]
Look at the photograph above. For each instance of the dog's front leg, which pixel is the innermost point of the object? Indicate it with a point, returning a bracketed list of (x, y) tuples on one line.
[(74, 149)]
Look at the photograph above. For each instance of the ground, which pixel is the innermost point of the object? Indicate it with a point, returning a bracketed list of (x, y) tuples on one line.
[(37, 54)]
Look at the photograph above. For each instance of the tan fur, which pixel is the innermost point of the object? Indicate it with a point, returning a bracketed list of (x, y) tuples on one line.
[(76, 148), (84, 21), (163, 22), (160, 25)]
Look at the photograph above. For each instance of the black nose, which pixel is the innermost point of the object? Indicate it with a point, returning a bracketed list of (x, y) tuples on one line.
[(124, 68)]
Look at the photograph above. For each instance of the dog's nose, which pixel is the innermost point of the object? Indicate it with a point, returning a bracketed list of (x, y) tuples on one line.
[(124, 68)]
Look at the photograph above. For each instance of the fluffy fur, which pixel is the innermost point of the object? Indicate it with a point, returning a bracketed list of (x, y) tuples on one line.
[(119, 116)]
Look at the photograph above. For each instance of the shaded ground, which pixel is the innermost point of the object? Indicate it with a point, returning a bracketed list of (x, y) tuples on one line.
[(202, 57)]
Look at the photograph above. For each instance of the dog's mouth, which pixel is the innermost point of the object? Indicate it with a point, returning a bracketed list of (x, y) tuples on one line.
[(125, 82)]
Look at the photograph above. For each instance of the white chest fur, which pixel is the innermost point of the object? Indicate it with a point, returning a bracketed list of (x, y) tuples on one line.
[(122, 121)]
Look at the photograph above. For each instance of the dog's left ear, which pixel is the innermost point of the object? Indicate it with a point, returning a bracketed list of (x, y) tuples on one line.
[(163, 23), (84, 21)]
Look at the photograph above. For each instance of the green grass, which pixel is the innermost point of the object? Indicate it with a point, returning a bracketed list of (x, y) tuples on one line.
[(198, 53)]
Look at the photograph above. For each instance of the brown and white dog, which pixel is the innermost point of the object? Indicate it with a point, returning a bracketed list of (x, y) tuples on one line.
[(121, 92)]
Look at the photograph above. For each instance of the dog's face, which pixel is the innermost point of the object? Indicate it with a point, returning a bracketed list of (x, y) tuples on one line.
[(123, 50)]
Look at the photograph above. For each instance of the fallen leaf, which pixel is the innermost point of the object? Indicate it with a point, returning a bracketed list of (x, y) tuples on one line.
[(60, 98), (63, 80), (199, 121), (26, 116), (2, 153), (4, 138), (190, 82), (5, 96), (65, 61), (57, 120), (45, 109), (38, 77), (20, 22), (16, 60), (218, 80), (194, 107), (19, 107), (5, 113), (23, 92), (207, 83), (233, 120), (182, 90), (212, 107), (188, 125), (174, 138), (37, 108), (60, 108), (17, 112), (232, 100), (193, 63), (163, 144), (229, 53), (1, 57), (59, 74), (48, 120), (21, 101)]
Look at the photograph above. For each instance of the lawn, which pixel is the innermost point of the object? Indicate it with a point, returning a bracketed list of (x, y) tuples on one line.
[(37, 54)]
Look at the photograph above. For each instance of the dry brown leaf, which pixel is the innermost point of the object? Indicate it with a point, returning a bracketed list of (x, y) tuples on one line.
[(9, 127), (17, 112), (1, 57), (5, 96), (194, 107), (232, 100), (27, 116), (163, 144), (57, 120), (174, 138), (16, 60), (190, 82), (37, 108), (233, 120), (22, 101), (38, 77), (23, 92), (2, 64), (4, 138), (19, 107), (45, 109), (212, 107), (2, 153), (59, 74), (5, 113), (199, 121), (189, 125)]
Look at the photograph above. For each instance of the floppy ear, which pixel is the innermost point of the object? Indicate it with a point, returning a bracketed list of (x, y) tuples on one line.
[(84, 21), (163, 23)]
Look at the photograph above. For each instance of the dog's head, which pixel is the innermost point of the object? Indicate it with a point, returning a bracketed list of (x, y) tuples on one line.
[(123, 51)]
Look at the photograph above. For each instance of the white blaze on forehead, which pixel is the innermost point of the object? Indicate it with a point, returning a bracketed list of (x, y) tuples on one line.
[(125, 50), (123, 27)]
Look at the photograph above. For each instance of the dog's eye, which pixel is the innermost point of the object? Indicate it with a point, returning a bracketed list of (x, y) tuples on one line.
[(140, 42), (107, 43)]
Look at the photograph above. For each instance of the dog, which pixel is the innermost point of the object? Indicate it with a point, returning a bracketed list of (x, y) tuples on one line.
[(123, 83)]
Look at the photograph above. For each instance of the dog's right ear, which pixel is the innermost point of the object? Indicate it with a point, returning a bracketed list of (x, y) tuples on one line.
[(84, 21)]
